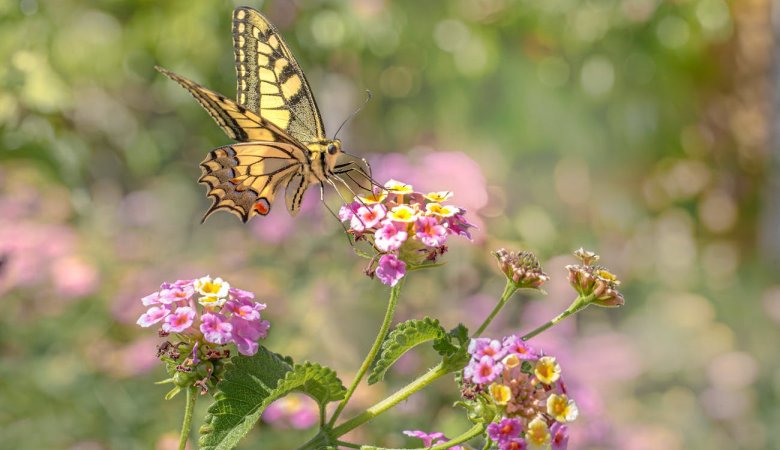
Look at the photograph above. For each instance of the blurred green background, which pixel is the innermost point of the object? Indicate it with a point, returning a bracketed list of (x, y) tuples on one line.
[(636, 128)]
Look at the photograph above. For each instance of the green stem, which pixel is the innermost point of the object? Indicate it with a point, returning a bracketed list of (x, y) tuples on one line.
[(509, 290), (391, 401), (395, 292), (576, 306), (473, 432), (187, 424)]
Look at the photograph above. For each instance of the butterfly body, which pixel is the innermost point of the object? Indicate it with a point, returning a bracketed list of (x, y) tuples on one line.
[(275, 119)]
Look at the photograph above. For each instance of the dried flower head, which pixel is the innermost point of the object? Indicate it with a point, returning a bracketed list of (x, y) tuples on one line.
[(521, 268)]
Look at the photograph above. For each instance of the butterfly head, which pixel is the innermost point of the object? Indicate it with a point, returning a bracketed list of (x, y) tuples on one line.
[(333, 147)]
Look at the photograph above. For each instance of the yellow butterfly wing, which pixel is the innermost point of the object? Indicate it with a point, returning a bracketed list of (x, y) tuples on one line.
[(244, 178), (270, 82), (235, 120)]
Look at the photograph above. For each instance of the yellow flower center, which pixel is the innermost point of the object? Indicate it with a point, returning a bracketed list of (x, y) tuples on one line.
[(605, 274), (397, 187), (438, 196), (500, 393), (374, 197), (402, 213), (439, 210)]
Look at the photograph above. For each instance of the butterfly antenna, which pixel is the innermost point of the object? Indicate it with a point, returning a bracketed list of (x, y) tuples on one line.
[(351, 116)]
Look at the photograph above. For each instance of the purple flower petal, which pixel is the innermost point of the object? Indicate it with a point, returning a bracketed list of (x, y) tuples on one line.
[(390, 269)]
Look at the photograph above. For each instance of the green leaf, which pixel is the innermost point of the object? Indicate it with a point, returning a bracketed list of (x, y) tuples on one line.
[(403, 338), (453, 347), (251, 383)]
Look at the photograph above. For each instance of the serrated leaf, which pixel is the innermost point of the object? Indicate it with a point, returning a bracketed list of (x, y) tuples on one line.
[(403, 338), (453, 347), (251, 383)]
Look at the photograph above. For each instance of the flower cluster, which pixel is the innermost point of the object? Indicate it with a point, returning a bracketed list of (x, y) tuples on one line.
[(594, 282), (526, 388), (431, 439), (404, 227), (205, 314), (521, 268)]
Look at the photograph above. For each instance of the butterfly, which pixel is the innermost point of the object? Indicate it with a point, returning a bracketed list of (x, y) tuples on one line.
[(275, 119)]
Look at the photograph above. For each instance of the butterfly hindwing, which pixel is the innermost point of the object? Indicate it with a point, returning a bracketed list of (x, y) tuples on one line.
[(270, 82), (245, 178), (235, 120)]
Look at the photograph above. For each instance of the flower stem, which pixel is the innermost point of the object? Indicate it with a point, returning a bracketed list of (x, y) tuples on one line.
[(395, 292), (509, 290), (187, 423), (471, 433), (576, 306), (391, 401)]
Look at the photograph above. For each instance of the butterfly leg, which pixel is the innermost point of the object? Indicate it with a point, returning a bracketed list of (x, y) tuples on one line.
[(335, 216), (348, 168), (336, 188)]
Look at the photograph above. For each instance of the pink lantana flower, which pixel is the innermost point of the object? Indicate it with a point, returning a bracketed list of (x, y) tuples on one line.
[(245, 308), (179, 320), (390, 236), (346, 212), (215, 328), (514, 345), (526, 389), (559, 436), (485, 370), (431, 439), (486, 347), (505, 430), (390, 269), (153, 315), (514, 444), (181, 290), (430, 232), (224, 315), (296, 411), (411, 226), (246, 334), (367, 217)]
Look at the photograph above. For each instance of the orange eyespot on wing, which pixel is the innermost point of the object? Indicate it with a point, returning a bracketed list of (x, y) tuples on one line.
[(244, 179), (262, 207)]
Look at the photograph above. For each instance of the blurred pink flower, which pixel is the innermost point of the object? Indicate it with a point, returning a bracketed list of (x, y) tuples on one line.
[(292, 411), (73, 277)]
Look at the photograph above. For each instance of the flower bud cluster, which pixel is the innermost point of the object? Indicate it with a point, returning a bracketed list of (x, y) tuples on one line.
[(404, 227), (594, 281), (522, 269), (525, 388), (205, 315)]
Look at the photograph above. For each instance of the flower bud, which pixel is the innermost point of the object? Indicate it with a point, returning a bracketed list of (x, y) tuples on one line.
[(594, 281), (522, 269)]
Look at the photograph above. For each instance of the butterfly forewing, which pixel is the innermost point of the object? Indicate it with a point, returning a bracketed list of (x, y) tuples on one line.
[(235, 120), (245, 178), (270, 81)]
